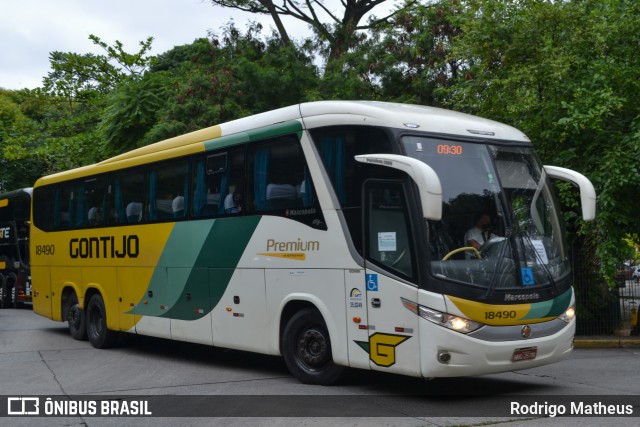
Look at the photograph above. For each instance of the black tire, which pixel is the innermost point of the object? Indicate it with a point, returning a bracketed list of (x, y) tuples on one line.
[(96, 319), (306, 348), (7, 293), (76, 318), (3, 288), (12, 284)]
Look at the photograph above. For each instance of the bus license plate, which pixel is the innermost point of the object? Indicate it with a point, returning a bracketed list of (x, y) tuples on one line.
[(528, 353)]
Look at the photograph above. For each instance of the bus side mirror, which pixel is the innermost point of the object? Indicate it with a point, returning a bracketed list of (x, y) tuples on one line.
[(422, 174), (587, 192)]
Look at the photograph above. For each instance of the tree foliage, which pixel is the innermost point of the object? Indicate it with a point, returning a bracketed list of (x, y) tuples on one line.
[(566, 74), (340, 32)]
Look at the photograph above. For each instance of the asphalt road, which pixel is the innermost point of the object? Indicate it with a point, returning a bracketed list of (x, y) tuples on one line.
[(199, 385)]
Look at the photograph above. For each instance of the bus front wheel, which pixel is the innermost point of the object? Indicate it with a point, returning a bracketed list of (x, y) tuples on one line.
[(306, 349), (96, 318)]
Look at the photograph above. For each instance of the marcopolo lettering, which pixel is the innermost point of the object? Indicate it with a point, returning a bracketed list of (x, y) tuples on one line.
[(105, 247)]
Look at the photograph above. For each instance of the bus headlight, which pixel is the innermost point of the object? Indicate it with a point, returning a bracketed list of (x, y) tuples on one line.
[(455, 323), (569, 314)]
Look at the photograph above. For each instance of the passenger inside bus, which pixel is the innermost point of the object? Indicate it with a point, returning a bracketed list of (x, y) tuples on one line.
[(233, 202), (177, 206), (134, 212), (94, 217)]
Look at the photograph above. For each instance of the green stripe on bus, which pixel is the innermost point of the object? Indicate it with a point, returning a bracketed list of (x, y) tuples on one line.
[(551, 308), (196, 266), (266, 132)]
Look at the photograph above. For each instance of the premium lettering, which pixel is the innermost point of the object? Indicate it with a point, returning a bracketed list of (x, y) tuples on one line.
[(297, 246), (105, 247)]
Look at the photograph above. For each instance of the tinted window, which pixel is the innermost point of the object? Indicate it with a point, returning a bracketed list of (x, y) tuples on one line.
[(168, 190), (279, 182), (218, 183)]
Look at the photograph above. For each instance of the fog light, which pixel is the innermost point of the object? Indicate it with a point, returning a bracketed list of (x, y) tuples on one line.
[(444, 357)]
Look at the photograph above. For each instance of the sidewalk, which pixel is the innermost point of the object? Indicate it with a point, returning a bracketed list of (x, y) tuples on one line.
[(607, 341)]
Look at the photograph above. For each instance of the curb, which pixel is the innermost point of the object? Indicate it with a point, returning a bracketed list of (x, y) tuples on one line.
[(607, 343)]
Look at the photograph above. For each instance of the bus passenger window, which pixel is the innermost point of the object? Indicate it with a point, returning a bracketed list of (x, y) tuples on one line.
[(280, 176), (95, 201), (127, 201), (168, 190), (279, 182), (218, 183)]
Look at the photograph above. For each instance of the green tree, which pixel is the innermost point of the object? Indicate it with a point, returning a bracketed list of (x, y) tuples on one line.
[(409, 58), (566, 74), (340, 32), (132, 110), (20, 161), (230, 76)]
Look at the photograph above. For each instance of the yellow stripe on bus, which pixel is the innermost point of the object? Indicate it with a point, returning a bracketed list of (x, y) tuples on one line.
[(496, 314), (4, 202)]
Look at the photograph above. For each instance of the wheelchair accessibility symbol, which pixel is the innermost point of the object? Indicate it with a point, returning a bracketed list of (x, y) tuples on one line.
[(527, 276), (372, 282)]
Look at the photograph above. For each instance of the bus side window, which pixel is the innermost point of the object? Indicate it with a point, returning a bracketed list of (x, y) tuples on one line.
[(66, 206), (337, 147), (280, 178), (217, 178), (45, 207), (127, 199), (168, 190), (95, 201)]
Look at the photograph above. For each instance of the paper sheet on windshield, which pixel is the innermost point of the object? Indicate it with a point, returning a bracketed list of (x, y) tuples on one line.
[(387, 241), (540, 250)]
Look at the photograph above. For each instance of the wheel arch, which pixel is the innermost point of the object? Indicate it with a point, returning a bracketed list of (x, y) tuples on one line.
[(68, 289), (110, 303), (294, 303)]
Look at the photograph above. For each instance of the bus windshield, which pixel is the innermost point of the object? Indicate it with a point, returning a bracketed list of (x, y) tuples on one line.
[(500, 229)]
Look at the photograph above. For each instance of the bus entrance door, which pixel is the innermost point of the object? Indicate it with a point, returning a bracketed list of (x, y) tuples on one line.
[(393, 341)]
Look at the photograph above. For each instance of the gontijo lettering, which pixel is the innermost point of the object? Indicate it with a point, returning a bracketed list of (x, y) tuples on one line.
[(105, 247)]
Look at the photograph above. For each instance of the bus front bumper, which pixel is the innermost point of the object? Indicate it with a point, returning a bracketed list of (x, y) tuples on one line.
[(446, 353)]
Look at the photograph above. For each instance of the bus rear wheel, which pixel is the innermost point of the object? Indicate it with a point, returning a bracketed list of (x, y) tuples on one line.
[(76, 318), (7, 292), (306, 348), (96, 317)]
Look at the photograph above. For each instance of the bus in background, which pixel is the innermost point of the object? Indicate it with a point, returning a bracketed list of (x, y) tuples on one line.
[(331, 233), (15, 274)]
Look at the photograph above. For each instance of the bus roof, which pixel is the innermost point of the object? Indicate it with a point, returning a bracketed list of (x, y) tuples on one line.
[(311, 115), (15, 193), (323, 113)]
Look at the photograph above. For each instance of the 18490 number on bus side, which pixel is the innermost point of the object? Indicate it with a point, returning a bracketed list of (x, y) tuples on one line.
[(45, 249)]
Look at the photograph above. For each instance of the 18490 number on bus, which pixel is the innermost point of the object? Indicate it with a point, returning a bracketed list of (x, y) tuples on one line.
[(45, 249), (506, 314)]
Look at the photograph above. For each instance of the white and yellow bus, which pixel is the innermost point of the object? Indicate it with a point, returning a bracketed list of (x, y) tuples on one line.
[(331, 233)]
